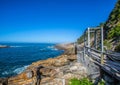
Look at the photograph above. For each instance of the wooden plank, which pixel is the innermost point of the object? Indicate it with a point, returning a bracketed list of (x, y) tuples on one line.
[(94, 56), (116, 69), (105, 68), (114, 63), (117, 58)]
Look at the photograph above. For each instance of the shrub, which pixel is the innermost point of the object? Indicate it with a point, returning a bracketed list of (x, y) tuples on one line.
[(107, 44), (84, 81), (114, 33), (117, 48), (80, 39)]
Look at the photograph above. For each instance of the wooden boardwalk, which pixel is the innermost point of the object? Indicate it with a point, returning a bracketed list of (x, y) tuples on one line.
[(111, 63), (108, 61)]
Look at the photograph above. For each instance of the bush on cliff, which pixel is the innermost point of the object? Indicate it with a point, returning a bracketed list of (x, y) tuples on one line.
[(84, 81), (107, 45), (114, 33), (117, 48), (80, 39)]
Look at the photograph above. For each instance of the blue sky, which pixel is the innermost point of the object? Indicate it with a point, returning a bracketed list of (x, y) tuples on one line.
[(50, 20)]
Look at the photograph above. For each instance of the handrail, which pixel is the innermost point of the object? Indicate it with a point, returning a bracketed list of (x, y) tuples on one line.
[(103, 52), (107, 64)]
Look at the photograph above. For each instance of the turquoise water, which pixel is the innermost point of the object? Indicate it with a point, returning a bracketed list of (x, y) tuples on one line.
[(19, 56)]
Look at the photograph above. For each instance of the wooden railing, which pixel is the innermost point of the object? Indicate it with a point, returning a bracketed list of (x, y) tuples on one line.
[(108, 61), (111, 61)]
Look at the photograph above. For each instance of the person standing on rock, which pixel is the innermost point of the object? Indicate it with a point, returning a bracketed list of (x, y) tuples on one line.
[(38, 75)]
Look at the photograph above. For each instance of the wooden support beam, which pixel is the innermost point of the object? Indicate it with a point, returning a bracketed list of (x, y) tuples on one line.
[(88, 39), (102, 47), (95, 36), (84, 45)]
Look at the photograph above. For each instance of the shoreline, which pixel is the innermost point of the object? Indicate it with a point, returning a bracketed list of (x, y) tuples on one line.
[(4, 46), (51, 70)]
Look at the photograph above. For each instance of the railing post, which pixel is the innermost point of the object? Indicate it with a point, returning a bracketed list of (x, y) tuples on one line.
[(84, 45), (88, 39), (75, 48), (95, 36), (102, 47)]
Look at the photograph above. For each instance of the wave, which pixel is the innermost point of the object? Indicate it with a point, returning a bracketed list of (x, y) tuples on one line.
[(15, 46), (20, 70), (15, 71), (49, 48), (43, 49), (5, 73), (52, 48)]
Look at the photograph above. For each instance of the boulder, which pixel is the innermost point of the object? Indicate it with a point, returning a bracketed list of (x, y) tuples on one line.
[(48, 72)]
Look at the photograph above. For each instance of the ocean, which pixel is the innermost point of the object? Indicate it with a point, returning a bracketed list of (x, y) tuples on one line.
[(19, 56)]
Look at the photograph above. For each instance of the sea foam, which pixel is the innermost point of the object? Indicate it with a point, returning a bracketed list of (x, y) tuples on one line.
[(15, 71), (20, 70)]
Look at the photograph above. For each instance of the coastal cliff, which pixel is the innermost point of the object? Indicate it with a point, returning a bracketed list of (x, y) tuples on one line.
[(53, 71), (111, 29)]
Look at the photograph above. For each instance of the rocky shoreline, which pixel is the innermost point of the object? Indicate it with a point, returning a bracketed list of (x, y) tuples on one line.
[(4, 46), (53, 71)]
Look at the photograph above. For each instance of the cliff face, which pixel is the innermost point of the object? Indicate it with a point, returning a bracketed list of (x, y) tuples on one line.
[(112, 28), (114, 18)]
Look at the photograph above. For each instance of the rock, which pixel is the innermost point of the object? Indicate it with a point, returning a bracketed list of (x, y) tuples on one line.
[(17, 80), (48, 72), (61, 62), (29, 74), (68, 76), (55, 81), (64, 46), (73, 68), (72, 57), (53, 71), (3, 81), (45, 80), (4, 46)]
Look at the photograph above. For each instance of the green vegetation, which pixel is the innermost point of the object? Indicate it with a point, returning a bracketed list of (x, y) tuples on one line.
[(107, 45), (84, 81), (117, 48), (102, 82), (80, 40), (115, 14), (114, 33), (111, 30)]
